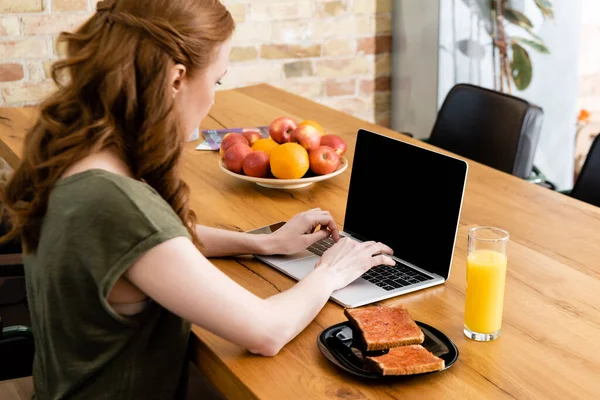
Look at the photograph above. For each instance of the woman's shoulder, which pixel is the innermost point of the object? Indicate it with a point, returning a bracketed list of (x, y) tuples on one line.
[(100, 192)]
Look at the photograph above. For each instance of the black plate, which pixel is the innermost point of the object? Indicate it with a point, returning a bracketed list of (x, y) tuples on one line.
[(340, 345)]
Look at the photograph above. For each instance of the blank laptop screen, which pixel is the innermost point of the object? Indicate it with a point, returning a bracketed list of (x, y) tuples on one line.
[(406, 197)]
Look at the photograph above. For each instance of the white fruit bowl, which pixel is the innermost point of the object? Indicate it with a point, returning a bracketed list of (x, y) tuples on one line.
[(274, 183)]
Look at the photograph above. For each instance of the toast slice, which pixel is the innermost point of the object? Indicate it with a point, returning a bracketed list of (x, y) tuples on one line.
[(405, 360), (384, 327)]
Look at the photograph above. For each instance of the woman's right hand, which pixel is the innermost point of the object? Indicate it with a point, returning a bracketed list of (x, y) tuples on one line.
[(348, 259)]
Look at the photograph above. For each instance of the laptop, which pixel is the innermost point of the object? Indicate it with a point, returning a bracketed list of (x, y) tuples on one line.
[(405, 196)]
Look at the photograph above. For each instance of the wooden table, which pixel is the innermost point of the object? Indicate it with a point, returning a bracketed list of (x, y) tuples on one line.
[(550, 342)]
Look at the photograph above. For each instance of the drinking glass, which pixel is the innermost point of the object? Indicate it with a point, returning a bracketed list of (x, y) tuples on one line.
[(486, 276)]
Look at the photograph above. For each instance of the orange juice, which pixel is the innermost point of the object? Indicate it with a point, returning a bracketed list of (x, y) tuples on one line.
[(486, 274)]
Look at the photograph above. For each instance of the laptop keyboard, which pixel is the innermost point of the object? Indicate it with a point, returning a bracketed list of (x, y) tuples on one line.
[(390, 278), (385, 276), (320, 246)]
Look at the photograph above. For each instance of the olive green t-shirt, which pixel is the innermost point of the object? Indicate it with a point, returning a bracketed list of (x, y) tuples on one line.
[(96, 226)]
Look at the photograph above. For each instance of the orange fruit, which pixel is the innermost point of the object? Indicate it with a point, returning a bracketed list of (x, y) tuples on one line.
[(314, 124), (267, 145), (289, 161)]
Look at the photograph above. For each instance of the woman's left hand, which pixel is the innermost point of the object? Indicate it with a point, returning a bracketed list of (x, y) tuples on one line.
[(301, 231)]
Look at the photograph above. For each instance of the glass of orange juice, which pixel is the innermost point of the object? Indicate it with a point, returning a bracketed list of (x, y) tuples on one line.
[(486, 276)]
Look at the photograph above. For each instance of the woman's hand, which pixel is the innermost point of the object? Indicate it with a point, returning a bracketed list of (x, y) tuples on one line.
[(348, 259), (301, 231)]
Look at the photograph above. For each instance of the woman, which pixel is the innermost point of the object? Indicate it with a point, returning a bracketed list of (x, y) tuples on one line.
[(115, 264)]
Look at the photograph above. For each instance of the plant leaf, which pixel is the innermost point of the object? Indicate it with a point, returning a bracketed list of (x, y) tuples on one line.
[(534, 35), (471, 49), (522, 71), (517, 18), (534, 44), (546, 8)]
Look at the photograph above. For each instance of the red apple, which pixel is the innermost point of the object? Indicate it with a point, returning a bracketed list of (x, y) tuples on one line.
[(251, 136), (307, 136), (323, 160), (335, 142), (281, 129), (230, 139), (235, 155), (256, 164)]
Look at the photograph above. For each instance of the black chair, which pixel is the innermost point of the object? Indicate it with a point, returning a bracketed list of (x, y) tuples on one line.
[(16, 337), (492, 128), (587, 185)]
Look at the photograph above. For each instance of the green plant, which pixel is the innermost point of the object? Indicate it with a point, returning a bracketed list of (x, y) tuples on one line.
[(513, 61)]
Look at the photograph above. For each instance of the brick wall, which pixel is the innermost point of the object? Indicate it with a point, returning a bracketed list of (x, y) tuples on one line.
[(336, 52)]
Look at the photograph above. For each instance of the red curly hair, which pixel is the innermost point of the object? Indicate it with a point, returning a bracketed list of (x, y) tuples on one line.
[(114, 93)]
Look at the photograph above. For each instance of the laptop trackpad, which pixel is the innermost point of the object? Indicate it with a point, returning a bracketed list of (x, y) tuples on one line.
[(300, 268), (297, 266), (292, 257)]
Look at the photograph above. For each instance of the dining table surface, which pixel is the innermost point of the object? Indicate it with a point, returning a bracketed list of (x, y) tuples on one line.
[(549, 347)]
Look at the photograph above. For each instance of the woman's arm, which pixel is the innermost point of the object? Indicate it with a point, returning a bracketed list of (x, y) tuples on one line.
[(297, 234), (177, 276), (221, 243)]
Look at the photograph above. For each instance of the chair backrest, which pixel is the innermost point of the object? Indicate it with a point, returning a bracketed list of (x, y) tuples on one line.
[(587, 185), (17, 347), (490, 127), (16, 338)]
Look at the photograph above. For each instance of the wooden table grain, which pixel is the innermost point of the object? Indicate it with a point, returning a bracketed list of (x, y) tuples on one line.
[(550, 342)]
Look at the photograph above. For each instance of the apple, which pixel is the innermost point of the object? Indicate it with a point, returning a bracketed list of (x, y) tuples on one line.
[(307, 136), (335, 142), (235, 155), (230, 139), (256, 164), (251, 136), (281, 129), (323, 160)]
